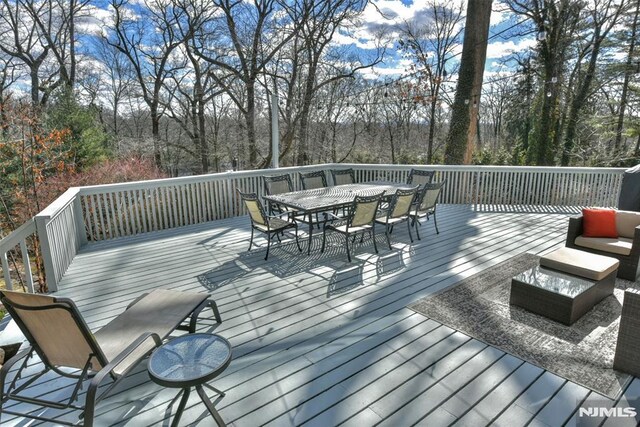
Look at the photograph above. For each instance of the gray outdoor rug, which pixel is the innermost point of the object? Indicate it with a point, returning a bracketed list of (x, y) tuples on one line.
[(582, 353)]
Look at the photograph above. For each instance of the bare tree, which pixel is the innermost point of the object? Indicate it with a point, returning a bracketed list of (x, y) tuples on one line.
[(8, 76), (148, 41), (56, 23), (431, 40), (555, 23), (628, 70), (255, 33), (603, 17), (317, 31), (190, 90), (20, 39)]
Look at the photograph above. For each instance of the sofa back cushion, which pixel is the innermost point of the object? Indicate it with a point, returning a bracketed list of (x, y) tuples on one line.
[(626, 223)]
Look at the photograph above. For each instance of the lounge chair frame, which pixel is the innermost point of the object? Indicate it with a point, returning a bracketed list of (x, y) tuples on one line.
[(88, 371)]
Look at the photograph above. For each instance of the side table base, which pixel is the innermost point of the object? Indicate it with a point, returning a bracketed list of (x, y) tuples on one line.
[(185, 392)]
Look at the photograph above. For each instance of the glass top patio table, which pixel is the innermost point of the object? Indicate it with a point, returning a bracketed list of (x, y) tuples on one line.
[(308, 202)]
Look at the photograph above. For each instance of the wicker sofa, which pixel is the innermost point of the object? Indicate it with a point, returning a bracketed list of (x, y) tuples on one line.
[(626, 248)]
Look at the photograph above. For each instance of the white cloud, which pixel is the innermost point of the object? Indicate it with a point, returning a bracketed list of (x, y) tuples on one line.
[(502, 49), (93, 20)]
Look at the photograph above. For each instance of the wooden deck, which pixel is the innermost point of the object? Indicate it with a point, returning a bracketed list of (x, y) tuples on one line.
[(321, 342)]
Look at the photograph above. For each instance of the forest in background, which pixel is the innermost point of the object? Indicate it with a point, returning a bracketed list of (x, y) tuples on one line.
[(105, 91)]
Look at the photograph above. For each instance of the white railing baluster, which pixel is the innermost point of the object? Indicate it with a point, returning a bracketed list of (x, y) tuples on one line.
[(28, 276), (5, 270)]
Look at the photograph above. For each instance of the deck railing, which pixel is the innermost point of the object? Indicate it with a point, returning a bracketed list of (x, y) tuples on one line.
[(118, 210), (9, 244)]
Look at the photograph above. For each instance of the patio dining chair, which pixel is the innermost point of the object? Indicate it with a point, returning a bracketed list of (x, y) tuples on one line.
[(343, 176), (360, 218), (420, 177), (58, 335), (311, 180), (425, 205), (398, 211), (271, 225), (274, 185)]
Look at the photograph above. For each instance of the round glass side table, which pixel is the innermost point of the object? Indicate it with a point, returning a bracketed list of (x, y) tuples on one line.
[(190, 361)]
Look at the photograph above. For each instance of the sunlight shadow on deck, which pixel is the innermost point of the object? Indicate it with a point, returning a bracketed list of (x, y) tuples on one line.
[(314, 336), (286, 262)]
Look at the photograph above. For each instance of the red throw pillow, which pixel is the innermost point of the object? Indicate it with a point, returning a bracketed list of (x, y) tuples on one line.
[(599, 223)]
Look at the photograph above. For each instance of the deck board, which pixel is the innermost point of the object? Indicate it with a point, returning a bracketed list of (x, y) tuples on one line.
[(320, 341)]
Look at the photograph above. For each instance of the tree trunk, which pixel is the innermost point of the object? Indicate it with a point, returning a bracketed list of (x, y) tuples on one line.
[(250, 119), (391, 144), (464, 113), (303, 143), (155, 133), (72, 46), (432, 126), (35, 86), (579, 101), (627, 77)]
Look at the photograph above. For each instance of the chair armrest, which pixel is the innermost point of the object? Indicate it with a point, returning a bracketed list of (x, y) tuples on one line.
[(92, 391), (574, 230), (330, 214), (280, 215), (106, 370)]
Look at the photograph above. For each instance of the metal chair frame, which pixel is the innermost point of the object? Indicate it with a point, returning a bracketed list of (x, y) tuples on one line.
[(96, 368), (428, 175), (335, 173), (269, 181), (351, 226), (399, 211), (316, 174), (421, 210), (264, 223)]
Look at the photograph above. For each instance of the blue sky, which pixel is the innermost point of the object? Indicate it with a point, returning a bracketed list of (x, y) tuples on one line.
[(393, 12), (388, 14)]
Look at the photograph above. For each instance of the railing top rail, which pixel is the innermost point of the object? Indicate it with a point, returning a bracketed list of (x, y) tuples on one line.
[(183, 180), (479, 168), (18, 235), (143, 185), (60, 203)]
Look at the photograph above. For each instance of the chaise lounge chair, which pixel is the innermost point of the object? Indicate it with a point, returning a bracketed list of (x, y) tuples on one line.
[(61, 339)]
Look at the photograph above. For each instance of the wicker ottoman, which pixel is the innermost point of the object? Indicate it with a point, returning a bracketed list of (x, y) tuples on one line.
[(567, 284)]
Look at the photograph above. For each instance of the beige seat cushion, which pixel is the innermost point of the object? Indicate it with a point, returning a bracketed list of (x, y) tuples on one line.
[(580, 263), (626, 223), (620, 246)]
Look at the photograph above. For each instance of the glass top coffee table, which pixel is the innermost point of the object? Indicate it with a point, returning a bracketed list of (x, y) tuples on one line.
[(559, 296), (191, 361)]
